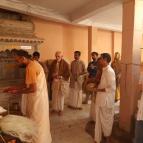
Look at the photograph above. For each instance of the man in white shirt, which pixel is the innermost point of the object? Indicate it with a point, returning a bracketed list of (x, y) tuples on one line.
[(105, 97), (139, 122)]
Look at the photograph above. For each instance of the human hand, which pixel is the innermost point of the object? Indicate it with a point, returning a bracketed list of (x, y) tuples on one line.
[(13, 91), (60, 77), (94, 89), (55, 75), (9, 89), (90, 87)]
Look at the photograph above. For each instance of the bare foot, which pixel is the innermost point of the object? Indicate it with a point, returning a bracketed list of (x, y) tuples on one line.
[(85, 102), (79, 108), (108, 140), (53, 111), (60, 113), (69, 106)]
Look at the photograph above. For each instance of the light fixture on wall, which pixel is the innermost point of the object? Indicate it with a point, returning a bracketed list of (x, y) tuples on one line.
[(26, 47)]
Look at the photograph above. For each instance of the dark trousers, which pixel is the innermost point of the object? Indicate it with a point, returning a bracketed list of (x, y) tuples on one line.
[(139, 132)]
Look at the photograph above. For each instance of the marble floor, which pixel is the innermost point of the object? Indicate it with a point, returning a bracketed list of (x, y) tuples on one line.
[(70, 128)]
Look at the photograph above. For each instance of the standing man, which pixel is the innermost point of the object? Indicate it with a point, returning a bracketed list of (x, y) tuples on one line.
[(95, 81), (37, 104), (60, 76), (76, 81), (92, 70), (116, 65), (105, 98), (36, 57), (92, 66)]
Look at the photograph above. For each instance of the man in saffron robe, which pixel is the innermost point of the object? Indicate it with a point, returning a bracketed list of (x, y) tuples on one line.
[(37, 104)]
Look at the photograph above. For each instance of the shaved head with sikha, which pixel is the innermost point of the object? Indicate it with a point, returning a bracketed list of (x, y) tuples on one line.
[(59, 56)]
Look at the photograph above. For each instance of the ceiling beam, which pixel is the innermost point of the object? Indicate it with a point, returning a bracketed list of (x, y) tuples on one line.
[(33, 10), (91, 9)]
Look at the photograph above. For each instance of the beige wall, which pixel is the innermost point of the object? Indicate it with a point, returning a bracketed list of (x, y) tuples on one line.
[(75, 38), (104, 41), (117, 42), (52, 33), (68, 38), (63, 37)]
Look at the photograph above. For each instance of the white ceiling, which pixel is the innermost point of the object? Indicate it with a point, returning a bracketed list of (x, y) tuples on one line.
[(61, 6), (109, 18), (100, 13)]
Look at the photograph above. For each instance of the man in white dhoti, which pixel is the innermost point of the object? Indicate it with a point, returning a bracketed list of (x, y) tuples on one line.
[(37, 104), (105, 98), (60, 73), (76, 80)]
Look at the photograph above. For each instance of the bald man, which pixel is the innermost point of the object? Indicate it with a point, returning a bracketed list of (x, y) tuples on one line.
[(60, 76)]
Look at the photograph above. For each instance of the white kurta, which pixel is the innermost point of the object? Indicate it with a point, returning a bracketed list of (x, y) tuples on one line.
[(104, 105), (37, 107), (59, 92)]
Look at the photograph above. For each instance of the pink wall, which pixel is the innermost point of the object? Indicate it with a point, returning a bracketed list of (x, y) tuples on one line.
[(52, 33), (68, 38), (117, 42), (75, 38), (104, 41), (61, 37)]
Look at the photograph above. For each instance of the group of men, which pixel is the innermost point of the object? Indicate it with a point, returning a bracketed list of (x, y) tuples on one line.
[(100, 82), (68, 80), (102, 91), (61, 73)]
